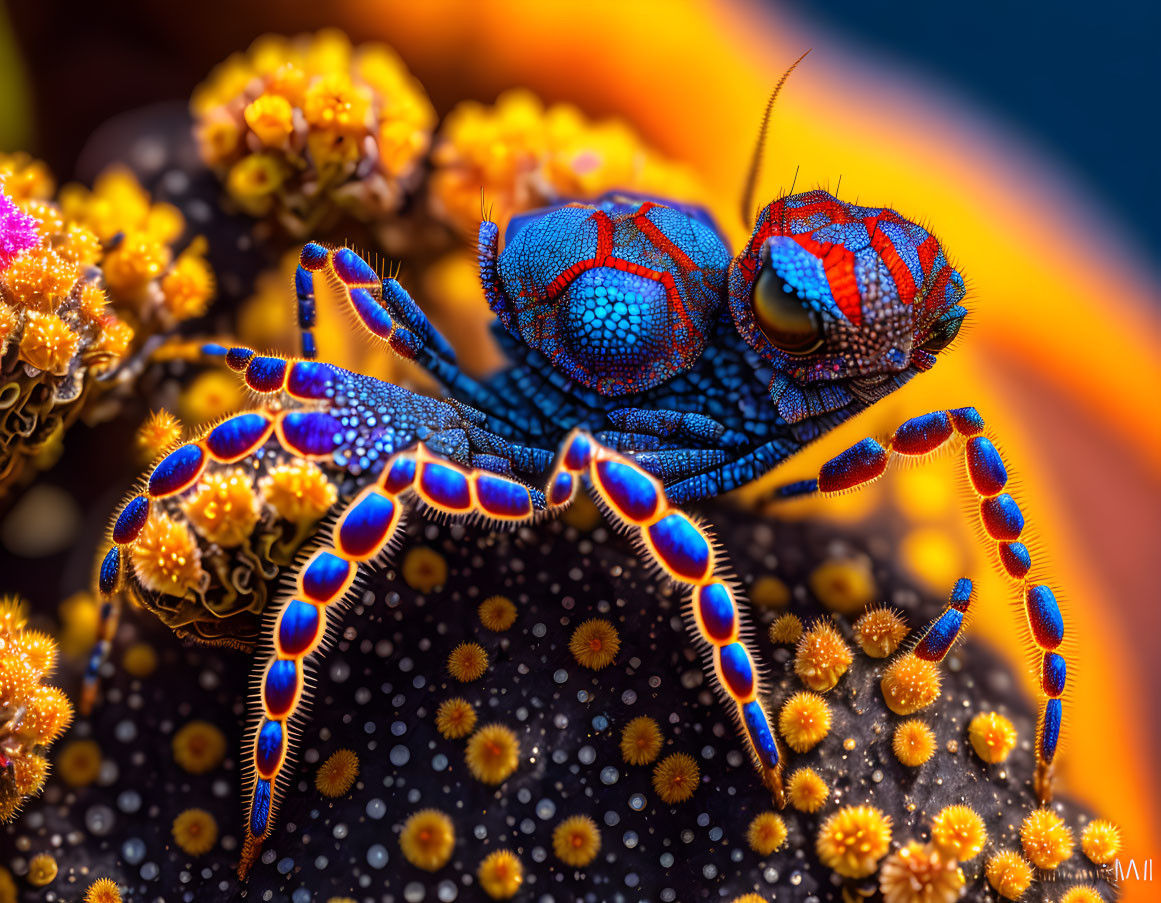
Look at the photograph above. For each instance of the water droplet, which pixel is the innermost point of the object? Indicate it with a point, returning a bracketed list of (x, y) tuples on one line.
[(377, 856)]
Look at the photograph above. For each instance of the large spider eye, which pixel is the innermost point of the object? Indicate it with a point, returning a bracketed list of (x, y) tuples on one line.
[(942, 334), (785, 319)]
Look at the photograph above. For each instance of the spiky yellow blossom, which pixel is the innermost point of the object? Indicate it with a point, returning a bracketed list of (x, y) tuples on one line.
[(337, 774), (33, 714), (769, 592), (455, 718), (749, 898), (467, 662), (913, 742), (493, 753), (767, 832), (271, 118), (641, 741), (210, 396), (1047, 841), (958, 833), (25, 178), (195, 831), (93, 301), (675, 778), (523, 155), (157, 434), (497, 613), (8, 325), (42, 869), (343, 128), (424, 569), (501, 874), (427, 839), (299, 491), (40, 279), (1101, 841), (103, 890), (47, 343), (1008, 874), (843, 585), (804, 721), (806, 791), (853, 840), (166, 558), (992, 736), (918, 873), (879, 631), (1082, 893), (786, 630), (79, 762), (595, 644), (199, 747), (576, 841), (224, 508), (821, 657), (137, 260), (910, 684), (188, 286)]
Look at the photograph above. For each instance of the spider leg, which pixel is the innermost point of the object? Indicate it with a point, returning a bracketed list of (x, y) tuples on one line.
[(1003, 524), (366, 529), (300, 430), (685, 552)]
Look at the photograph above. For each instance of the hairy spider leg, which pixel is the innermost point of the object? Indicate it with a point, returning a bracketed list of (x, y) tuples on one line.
[(1002, 522), (380, 305), (366, 529), (305, 433)]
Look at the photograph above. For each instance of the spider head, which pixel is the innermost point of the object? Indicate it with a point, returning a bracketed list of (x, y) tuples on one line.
[(846, 303)]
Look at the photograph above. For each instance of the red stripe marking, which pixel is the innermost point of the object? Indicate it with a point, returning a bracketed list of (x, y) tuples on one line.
[(899, 270), (659, 239), (839, 265)]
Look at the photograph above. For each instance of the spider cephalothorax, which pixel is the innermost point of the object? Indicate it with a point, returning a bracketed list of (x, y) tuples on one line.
[(844, 301), (620, 296)]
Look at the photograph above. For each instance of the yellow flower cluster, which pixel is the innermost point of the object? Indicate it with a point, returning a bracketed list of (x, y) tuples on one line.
[(301, 128), (104, 274), (522, 155), (32, 715)]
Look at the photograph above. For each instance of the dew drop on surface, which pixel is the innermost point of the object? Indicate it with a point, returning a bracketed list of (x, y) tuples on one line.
[(129, 801), (376, 808), (321, 862), (612, 818), (439, 762), (528, 826), (877, 776), (587, 755), (413, 893), (377, 856), (125, 731), (630, 839), (133, 850), (339, 831), (539, 630), (560, 675), (302, 895), (629, 697), (447, 892), (99, 820), (715, 834), (710, 871), (480, 832), (545, 809), (150, 871), (666, 860), (668, 895), (399, 754), (600, 722), (560, 721), (637, 802), (631, 879), (770, 876), (610, 775), (339, 671), (285, 865)]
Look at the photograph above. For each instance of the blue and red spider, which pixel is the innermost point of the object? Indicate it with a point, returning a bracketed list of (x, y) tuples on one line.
[(646, 364)]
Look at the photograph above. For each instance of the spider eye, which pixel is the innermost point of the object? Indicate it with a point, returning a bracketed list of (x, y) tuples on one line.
[(786, 320), (942, 334)]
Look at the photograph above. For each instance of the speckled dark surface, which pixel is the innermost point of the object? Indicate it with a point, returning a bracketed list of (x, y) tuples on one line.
[(377, 694)]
